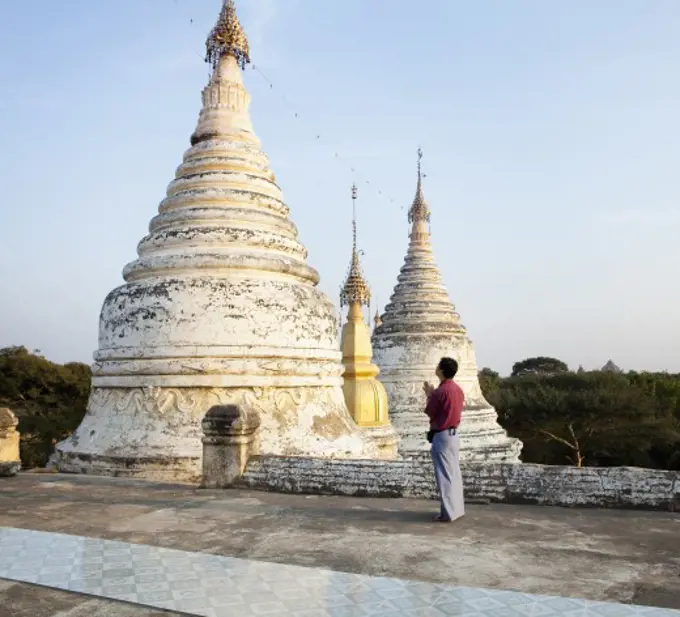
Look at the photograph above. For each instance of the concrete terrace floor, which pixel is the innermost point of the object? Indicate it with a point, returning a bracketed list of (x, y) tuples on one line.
[(607, 555)]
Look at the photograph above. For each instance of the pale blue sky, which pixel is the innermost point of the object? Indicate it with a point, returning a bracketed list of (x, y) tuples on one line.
[(551, 133)]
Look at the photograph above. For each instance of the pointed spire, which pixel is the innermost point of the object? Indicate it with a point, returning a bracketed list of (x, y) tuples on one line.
[(355, 290), (610, 367), (377, 320), (354, 221), (419, 210), (227, 37)]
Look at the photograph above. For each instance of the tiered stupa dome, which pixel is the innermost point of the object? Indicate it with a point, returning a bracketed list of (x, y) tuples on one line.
[(219, 308), (420, 326)]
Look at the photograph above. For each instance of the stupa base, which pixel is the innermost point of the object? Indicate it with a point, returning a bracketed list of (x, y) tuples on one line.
[(157, 469), (481, 438), (470, 450), (494, 446), (155, 432), (386, 440)]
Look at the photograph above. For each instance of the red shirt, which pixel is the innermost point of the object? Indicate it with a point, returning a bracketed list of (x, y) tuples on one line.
[(445, 406)]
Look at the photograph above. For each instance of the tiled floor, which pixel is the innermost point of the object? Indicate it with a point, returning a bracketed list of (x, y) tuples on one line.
[(215, 586)]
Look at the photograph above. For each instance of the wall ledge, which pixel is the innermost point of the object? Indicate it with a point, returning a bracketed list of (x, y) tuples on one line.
[(610, 487)]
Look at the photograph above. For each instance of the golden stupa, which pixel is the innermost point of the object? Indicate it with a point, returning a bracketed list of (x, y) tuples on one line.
[(365, 396)]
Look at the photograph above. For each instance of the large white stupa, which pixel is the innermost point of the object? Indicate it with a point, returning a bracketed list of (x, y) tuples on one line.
[(420, 326), (219, 308)]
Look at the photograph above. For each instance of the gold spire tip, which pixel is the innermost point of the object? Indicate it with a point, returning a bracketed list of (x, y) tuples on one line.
[(355, 290), (227, 38)]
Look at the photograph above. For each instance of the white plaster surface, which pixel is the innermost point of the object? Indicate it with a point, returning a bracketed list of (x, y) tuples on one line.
[(420, 326), (219, 308)]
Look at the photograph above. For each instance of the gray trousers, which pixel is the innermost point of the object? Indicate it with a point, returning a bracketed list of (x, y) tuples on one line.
[(445, 456)]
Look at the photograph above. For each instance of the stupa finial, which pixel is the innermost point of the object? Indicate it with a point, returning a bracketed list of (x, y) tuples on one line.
[(227, 37), (419, 210), (355, 290), (377, 320)]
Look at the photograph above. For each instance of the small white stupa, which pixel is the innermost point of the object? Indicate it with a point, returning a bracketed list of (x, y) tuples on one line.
[(219, 308), (420, 326)]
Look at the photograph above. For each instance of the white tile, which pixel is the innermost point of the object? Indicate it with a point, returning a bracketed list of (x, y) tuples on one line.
[(216, 586), (188, 594)]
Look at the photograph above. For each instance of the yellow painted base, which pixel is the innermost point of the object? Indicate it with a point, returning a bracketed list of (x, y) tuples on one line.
[(9, 437), (365, 396)]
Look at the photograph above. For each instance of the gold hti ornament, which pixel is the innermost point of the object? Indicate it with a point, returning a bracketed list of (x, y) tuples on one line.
[(227, 37), (355, 290)]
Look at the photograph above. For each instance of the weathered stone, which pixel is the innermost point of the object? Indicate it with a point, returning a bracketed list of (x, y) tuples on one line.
[(10, 461), (420, 326), (220, 308), (229, 440), (619, 487)]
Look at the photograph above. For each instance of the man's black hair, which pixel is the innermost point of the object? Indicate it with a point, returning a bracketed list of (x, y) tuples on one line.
[(448, 367)]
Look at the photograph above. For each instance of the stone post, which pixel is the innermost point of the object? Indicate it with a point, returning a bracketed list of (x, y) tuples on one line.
[(229, 440), (10, 462)]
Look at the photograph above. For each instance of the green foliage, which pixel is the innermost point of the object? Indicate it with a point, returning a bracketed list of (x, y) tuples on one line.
[(539, 366), (592, 418), (49, 400), (489, 379)]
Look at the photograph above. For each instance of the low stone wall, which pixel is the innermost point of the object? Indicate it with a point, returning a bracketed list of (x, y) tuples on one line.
[(622, 487)]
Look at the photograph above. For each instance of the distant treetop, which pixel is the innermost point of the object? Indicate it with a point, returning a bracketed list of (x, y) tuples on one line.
[(541, 366)]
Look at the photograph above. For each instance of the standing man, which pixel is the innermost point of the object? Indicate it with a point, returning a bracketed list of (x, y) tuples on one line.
[(444, 408)]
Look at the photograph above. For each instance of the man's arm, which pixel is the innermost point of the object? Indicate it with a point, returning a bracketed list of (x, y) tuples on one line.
[(432, 404)]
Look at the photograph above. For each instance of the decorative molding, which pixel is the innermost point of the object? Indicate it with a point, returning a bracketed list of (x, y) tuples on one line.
[(153, 400), (193, 401)]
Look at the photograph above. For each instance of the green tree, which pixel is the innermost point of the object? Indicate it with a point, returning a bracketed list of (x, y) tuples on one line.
[(49, 400), (489, 380), (539, 366), (594, 418)]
